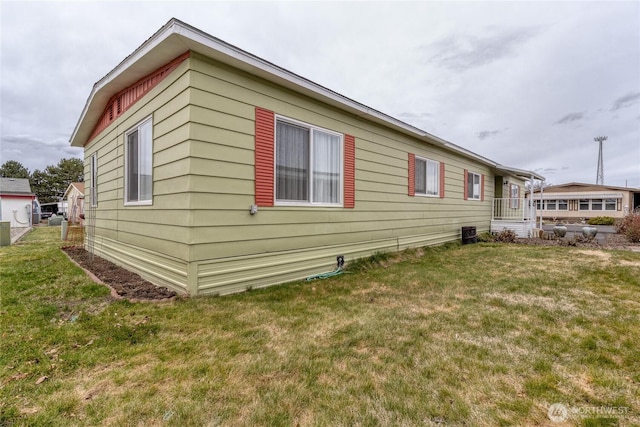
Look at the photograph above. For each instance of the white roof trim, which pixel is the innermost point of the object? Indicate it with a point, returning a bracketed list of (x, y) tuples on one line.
[(176, 37), (520, 173), (576, 196)]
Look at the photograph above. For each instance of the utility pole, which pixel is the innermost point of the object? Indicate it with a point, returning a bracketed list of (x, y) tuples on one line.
[(600, 175)]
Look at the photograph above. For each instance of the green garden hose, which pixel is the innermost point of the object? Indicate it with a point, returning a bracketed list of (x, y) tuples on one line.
[(336, 272)]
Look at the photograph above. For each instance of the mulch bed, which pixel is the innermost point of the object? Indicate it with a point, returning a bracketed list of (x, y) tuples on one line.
[(126, 284)]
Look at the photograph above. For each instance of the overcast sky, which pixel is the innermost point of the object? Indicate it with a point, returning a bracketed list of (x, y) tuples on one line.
[(527, 84)]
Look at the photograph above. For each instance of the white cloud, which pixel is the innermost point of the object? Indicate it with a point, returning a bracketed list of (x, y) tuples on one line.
[(464, 71)]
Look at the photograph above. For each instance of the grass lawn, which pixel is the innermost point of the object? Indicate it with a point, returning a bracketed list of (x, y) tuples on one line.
[(476, 335)]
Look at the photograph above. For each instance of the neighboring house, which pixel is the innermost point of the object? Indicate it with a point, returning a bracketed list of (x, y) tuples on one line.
[(576, 201), (214, 171), (16, 201), (74, 196)]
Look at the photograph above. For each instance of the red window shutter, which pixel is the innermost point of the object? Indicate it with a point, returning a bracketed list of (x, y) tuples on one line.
[(349, 171), (442, 180), (412, 174), (264, 156), (466, 180), (482, 187)]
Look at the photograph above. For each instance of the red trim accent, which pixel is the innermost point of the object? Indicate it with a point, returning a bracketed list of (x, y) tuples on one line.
[(466, 185), (412, 174), (442, 180), (349, 171), (264, 157), (17, 196), (482, 187), (123, 100)]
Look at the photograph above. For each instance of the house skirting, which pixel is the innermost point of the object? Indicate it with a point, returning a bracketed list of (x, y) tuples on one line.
[(223, 276), (155, 267), (522, 228)]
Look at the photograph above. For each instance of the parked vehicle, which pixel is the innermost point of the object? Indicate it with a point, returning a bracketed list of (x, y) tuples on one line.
[(48, 209)]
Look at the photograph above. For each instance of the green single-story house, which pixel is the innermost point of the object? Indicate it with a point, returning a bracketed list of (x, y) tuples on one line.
[(210, 171)]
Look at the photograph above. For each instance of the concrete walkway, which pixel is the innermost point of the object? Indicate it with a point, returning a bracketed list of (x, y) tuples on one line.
[(18, 233)]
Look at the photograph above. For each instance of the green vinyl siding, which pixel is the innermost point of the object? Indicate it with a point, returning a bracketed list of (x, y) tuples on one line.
[(223, 231), (198, 235), (151, 265), (137, 237)]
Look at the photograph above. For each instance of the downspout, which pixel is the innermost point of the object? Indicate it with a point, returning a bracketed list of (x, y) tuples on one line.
[(541, 202), (532, 204)]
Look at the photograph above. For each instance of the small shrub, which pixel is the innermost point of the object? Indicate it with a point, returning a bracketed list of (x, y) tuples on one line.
[(506, 236), (630, 226), (486, 237), (601, 220)]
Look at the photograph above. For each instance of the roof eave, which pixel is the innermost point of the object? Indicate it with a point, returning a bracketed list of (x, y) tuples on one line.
[(147, 57), (102, 90), (520, 173)]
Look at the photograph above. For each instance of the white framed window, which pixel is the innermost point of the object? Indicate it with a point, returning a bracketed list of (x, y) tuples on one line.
[(584, 205), (563, 205), (138, 164), (473, 186), (308, 164), (551, 205), (94, 180), (610, 204), (427, 175)]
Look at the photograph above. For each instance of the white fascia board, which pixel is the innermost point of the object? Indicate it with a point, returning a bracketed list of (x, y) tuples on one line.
[(262, 68), (576, 196), (207, 45), (520, 173), (125, 73), (176, 35)]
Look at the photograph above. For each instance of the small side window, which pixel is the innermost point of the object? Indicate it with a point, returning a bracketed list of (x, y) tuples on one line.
[(138, 164)]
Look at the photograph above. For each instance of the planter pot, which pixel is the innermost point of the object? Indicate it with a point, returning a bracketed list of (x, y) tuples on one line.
[(589, 232), (560, 230)]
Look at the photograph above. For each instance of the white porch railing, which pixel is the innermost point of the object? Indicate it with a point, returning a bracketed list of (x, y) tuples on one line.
[(513, 209), (516, 214)]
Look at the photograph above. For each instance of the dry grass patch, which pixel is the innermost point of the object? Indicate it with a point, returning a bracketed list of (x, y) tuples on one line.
[(604, 256), (479, 335), (627, 263)]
